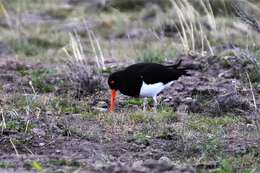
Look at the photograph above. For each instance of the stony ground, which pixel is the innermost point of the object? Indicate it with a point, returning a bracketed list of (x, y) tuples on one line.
[(53, 109)]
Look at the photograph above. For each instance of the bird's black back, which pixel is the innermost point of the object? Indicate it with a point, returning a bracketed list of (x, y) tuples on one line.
[(152, 73)]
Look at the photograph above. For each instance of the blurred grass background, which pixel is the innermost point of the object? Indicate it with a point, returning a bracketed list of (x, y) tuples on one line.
[(125, 29)]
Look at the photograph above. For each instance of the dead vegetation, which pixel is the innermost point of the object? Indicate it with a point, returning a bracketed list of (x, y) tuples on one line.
[(217, 85)]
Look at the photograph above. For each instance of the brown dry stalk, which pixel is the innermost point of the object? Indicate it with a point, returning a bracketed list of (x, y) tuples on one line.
[(16, 152), (247, 18), (252, 92), (3, 124)]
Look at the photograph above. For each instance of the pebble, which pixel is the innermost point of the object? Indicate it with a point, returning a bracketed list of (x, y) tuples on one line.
[(102, 104), (100, 109), (57, 151), (137, 164), (165, 160), (41, 144), (38, 132)]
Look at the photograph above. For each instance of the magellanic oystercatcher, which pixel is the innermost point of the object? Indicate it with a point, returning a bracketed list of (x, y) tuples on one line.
[(144, 80)]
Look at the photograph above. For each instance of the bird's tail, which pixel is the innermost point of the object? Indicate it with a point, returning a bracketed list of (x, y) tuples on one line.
[(176, 65), (179, 70), (183, 72)]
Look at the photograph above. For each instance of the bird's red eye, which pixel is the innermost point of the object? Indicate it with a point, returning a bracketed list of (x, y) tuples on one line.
[(112, 82)]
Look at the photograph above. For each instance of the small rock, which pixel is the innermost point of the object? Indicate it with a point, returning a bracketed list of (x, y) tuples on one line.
[(100, 109), (167, 100), (9, 87), (165, 160), (38, 132), (136, 33), (5, 49), (137, 164), (49, 113), (57, 151), (99, 164), (102, 104), (188, 98), (41, 144), (7, 77)]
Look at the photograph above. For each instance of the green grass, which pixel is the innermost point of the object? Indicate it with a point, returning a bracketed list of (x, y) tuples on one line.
[(135, 101), (67, 106), (141, 138), (22, 102), (152, 56), (206, 124), (34, 46), (62, 162), (130, 5), (227, 167), (34, 165), (38, 78), (40, 166), (60, 13), (6, 165), (214, 148), (54, 104), (155, 57), (20, 126), (138, 117)]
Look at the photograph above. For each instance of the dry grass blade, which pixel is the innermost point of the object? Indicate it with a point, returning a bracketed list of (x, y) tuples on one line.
[(84, 77), (209, 45), (31, 85), (84, 80), (3, 123), (14, 147), (30, 151), (209, 12), (96, 49), (26, 127), (78, 54), (185, 27), (7, 16), (249, 19), (190, 30), (90, 36), (76, 46), (252, 92), (101, 56)]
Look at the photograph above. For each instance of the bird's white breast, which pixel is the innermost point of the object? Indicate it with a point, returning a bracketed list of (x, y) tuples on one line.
[(151, 90)]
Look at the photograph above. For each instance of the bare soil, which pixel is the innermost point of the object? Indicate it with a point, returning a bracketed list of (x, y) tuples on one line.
[(72, 142)]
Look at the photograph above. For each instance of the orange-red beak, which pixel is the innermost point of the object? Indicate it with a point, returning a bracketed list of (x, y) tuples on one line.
[(112, 101)]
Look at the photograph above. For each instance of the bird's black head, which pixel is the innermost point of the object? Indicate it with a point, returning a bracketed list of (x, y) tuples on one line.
[(114, 80)]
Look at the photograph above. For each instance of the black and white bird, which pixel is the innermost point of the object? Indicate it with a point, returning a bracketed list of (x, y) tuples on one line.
[(144, 80)]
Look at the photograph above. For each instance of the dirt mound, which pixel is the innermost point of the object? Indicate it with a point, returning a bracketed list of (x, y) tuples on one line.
[(216, 85)]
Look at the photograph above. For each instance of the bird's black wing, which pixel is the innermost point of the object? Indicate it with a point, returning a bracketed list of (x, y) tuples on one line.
[(156, 74), (131, 83), (152, 73), (148, 72)]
